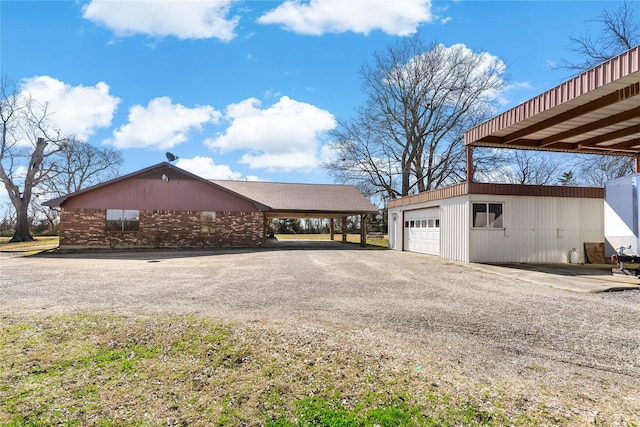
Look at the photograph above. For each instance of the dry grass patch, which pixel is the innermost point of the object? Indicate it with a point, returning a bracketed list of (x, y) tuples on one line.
[(112, 370), (38, 241)]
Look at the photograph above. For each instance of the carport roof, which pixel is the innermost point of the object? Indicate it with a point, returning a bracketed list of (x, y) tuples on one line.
[(302, 200), (597, 111)]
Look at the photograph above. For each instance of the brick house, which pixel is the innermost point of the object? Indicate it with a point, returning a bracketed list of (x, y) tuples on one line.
[(165, 206)]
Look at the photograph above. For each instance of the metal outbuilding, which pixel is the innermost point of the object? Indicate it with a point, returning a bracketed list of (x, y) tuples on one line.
[(596, 112)]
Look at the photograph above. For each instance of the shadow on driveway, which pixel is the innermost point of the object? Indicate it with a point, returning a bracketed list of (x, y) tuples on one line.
[(564, 269), (153, 254), (574, 277)]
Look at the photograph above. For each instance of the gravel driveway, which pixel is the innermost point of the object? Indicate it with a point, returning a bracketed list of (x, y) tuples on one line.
[(491, 327)]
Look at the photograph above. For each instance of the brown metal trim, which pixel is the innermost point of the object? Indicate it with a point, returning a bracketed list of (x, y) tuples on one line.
[(536, 190), (500, 190), (427, 196)]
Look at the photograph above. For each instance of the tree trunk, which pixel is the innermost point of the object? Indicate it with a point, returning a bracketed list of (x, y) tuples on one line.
[(22, 233)]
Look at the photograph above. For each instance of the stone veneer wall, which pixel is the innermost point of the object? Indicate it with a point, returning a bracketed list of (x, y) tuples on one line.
[(161, 228)]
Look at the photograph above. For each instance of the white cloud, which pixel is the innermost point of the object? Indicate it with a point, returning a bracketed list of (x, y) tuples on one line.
[(316, 17), (76, 110), (514, 91), (201, 19), (281, 161), (206, 168), (162, 124), (285, 136)]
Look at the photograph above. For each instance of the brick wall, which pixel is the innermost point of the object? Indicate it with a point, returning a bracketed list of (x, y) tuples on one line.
[(162, 228)]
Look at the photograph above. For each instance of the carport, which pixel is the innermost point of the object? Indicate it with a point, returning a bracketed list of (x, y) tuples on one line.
[(326, 201), (596, 112)]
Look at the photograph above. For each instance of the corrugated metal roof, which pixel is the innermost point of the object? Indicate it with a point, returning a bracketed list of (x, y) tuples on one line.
[(597, 111), (287, 197), (499, 189)]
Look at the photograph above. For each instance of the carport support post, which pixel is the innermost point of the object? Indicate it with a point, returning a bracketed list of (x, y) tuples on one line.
[(344, 229), (469, 149), (363, 230), (332, 229)]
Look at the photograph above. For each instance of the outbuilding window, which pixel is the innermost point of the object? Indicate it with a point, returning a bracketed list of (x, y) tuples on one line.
[(488, 215), (123, 220)]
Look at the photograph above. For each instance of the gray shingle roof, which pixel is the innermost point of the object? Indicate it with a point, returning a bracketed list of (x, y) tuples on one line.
[(285, 197)]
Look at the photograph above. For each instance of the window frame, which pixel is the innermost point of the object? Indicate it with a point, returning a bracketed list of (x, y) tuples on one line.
[(207, 222), (128, 220), (496, 224)]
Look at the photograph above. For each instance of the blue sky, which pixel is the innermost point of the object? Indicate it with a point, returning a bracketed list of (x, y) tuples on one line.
[(249, 89)]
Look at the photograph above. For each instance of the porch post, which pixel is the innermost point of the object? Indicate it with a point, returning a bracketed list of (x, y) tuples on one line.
[(332, 228), (344, 229), (469, 150), (363, 230), (637, 164)]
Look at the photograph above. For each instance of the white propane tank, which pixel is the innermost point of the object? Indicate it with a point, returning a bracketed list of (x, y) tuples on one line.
[(573, 256)]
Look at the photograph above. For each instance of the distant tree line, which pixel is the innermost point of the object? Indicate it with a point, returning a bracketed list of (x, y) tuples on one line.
[(322, 225)]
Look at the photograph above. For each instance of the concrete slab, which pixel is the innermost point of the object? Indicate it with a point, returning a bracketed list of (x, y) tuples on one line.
[(585, 278)]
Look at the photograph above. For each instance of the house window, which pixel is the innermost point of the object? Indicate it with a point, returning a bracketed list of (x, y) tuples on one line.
[(487, 215), (207, 222), (122, 220)]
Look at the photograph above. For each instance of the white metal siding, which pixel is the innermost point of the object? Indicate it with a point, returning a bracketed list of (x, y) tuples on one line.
[(454, 226), (622, 215), (454, 229), (395, 229), (538, 229)]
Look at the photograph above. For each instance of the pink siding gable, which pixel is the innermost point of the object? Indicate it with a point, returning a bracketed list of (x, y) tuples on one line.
[(149, 191)]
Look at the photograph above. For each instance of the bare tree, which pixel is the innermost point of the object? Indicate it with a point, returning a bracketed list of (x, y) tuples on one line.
[(597, 170), (37, 159), (619, 32), (408, 136), (79, 165), (533, 168), (26, 147)]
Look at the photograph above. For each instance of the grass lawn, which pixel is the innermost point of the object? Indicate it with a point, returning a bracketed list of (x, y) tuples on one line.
[(108, 370), (39, 241)]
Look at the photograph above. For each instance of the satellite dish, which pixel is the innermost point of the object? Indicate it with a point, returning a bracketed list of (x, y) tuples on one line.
[(172, 157)]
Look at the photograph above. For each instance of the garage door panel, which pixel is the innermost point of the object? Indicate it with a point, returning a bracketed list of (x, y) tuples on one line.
[(422, 231)]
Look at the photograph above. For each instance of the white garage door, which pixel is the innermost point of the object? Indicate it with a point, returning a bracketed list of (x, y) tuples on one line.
[(422, 231)]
